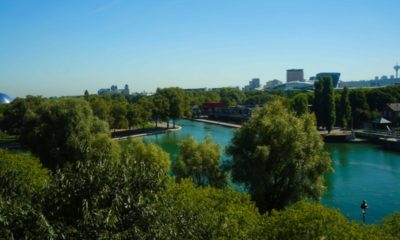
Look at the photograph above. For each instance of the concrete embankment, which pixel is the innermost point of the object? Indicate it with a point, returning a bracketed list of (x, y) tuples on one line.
[(225, 124), (155, 131)]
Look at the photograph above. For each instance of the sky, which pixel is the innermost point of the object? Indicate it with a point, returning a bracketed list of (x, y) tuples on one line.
[(62, 48)]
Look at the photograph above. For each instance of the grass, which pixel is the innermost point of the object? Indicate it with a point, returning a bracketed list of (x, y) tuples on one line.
[(4, 138)]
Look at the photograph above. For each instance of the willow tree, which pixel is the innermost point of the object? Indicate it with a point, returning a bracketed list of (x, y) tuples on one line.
[(279, 157), (200, 162)]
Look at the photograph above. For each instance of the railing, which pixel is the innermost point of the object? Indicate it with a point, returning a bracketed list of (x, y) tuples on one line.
[(378, 133)]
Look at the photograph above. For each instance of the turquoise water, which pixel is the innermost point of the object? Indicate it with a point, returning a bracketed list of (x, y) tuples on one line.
[(362, 171)]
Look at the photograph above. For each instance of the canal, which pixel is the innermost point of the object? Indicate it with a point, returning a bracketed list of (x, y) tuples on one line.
[(362, 171)]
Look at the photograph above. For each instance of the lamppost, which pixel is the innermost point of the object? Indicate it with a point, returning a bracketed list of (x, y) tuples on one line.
[(364, 207)]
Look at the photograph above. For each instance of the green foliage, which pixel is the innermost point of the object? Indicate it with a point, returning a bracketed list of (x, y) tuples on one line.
[(21, 176), (359, 107), (378, 98), (318, 103), (300, 104), (187, 212), (177, 102), (108, 199), (345, 108), (279, 157), (232, 96), (328, 103), (161, 108), (391, 225), (60, 131), (134, 115), (200, 162), (119, 112), (19, 220), (311, 221), (101, 107), (15, 113)]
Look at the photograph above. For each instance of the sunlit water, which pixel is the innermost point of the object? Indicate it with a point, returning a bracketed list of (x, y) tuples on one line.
[(362, 171)]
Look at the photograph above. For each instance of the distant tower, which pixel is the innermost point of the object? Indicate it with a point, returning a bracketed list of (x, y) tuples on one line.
[(397, 68)]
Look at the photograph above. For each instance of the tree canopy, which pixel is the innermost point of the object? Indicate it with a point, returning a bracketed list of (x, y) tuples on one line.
[(279, 157), (60, 131), (200, 162)]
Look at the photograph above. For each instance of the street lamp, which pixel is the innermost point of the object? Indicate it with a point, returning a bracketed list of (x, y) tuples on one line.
[(364, 207)]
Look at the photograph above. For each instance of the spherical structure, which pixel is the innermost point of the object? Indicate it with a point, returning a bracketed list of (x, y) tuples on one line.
[(4, 98)]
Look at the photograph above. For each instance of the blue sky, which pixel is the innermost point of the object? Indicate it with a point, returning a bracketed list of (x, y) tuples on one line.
[(55, 48)]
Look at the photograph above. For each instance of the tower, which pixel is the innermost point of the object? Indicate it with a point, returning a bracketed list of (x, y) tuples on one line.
[(397, 68)]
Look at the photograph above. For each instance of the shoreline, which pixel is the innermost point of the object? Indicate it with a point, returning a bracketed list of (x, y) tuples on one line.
[(150, 132), (225, 124)]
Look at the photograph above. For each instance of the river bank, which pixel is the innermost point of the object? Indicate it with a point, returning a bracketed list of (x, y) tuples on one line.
[(141, 132)]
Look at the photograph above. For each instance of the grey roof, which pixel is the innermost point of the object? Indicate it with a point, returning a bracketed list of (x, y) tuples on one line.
[(381, 120), (395, 107), (4, 98)]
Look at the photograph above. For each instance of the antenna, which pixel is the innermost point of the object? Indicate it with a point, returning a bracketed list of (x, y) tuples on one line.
[(397, 68)]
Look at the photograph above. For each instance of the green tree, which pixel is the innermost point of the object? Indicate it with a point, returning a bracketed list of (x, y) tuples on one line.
[(345, 108), (359, 107), (232, 96), (101, 107), (178, 102), (391, 225), (15, 113), (189, 212), (20, 220), (200, 162), (119, 113), (300, 104), (312, 221), (61, 131), (279, 157), (135, 115), (107, 198), (146, 107), (328, 103), (21, 176), (318, 103), (161, 108)]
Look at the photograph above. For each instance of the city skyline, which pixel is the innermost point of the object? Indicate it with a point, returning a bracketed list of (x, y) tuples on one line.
[(61, 48)]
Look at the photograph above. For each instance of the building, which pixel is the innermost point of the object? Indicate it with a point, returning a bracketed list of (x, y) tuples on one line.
[(193, 90), (295, 86), (4, 98), (254, 84), (271, 84), (392, 111), (294, 75), (114, 90), (335, 76)]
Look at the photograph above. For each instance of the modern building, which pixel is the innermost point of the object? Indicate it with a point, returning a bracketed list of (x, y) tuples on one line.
[(295, 86), (114, 90), (271, 84), (294, 75), (4, 98), (254, 84), (334, 75)]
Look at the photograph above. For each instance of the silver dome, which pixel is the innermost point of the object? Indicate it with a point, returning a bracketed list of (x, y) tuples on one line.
[(4, 98)]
